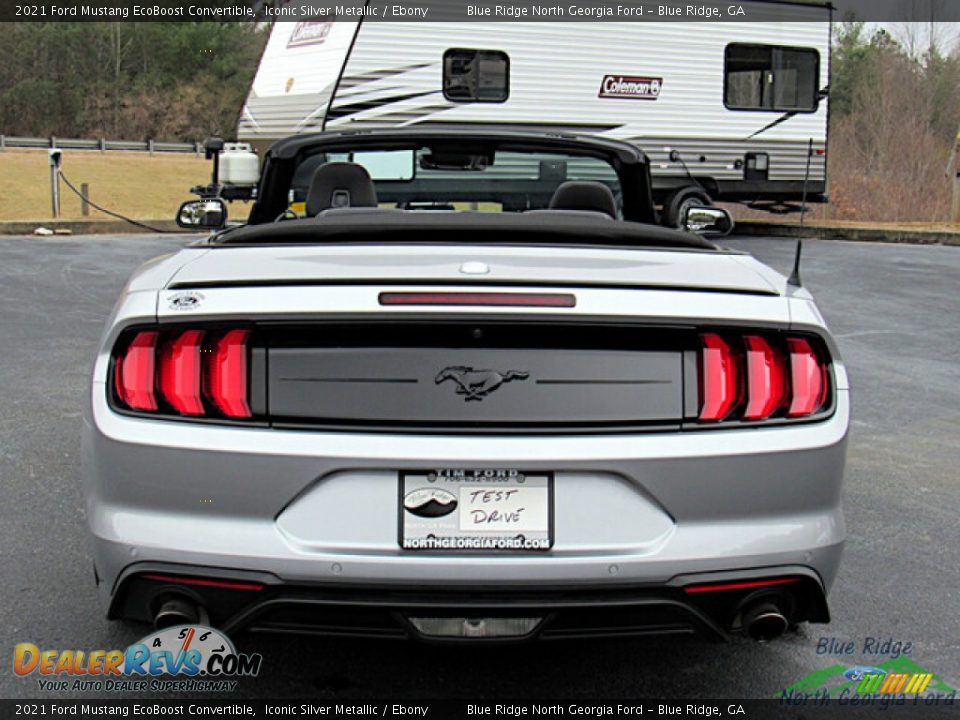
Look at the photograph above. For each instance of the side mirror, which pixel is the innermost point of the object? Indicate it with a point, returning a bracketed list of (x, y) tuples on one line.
[(210, 214), (707, 221)]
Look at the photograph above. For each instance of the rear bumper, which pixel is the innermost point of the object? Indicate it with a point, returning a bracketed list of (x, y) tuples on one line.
[(259, 602), (319, 510)]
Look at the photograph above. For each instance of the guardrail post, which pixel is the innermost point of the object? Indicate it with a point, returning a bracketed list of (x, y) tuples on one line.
[(3, 142), (55, 190), (85, 199), (150, 146), (103, 145), (197, 148), (53, 142)]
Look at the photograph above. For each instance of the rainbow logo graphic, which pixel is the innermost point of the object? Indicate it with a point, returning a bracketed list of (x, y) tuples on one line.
[(889, 683), (897, 678)]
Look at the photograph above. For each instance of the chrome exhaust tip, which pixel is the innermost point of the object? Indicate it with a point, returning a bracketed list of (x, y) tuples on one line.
[(764, 622), (179, 611)]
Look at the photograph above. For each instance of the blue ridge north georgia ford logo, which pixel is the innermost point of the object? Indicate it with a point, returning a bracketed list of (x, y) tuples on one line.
[(430, 502)]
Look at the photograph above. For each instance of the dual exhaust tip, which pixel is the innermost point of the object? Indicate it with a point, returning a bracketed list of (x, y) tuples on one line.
[(764, 621), (179, 611)]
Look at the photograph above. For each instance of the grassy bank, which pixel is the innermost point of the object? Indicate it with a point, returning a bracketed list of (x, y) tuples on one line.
[(134, 184)]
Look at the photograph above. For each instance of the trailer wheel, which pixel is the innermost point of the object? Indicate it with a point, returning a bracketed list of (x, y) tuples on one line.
[(678, 202)]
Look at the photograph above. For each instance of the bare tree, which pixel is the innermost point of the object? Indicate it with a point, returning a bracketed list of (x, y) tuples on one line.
[(922, 29)]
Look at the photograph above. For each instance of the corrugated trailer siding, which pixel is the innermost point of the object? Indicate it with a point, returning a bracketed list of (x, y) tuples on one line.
[(394, 77), (294, 84), (788, 158), (555, 75)]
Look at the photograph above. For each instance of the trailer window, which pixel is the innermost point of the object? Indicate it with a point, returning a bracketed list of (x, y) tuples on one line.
[(471, 76), (769, 77)]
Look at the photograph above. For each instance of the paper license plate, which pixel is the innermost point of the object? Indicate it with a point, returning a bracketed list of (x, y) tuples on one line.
[(453, 509)]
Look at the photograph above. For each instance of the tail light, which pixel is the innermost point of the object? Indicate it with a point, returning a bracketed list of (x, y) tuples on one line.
[(718, 379), (179, 377), (765, 379), (808, 378), (755, 377), (134, 373), (226, 377), (186, 372)]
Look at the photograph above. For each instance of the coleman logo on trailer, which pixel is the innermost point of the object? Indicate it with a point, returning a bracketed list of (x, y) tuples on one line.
[(309, 33), (626, 86)]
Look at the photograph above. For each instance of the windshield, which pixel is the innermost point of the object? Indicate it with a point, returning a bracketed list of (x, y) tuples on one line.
[(478, 181)]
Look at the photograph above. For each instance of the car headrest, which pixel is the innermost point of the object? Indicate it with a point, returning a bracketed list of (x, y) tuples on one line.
[(584, 195), (340, 184)]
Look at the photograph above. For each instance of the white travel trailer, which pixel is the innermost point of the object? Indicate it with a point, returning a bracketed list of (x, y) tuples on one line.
[(726, 111)]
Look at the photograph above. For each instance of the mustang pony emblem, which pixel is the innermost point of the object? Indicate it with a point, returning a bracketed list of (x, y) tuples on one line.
[(477, 384)]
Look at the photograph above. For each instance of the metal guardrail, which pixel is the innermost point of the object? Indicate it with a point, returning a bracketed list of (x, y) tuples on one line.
[(148, 146)]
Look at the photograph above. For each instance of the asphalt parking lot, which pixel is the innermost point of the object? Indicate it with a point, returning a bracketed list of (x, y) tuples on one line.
[(895, 311)]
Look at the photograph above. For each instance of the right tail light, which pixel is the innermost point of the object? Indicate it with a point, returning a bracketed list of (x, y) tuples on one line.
[(755, 377)]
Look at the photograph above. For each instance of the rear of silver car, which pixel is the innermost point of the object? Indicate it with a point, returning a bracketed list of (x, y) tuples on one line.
[(565, 389)]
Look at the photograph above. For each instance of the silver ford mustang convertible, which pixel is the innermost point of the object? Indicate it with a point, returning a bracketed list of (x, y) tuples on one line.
[(459, 385)]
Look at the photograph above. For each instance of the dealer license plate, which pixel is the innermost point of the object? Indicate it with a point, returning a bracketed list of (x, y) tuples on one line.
[(452, 509)]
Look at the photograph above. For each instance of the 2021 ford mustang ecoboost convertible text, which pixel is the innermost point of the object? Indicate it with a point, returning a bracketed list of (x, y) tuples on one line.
[(457, 384)]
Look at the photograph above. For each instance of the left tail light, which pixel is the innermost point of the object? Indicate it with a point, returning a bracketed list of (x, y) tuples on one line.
[(134, 373), (226, 381), (188, 372), (180, 371)]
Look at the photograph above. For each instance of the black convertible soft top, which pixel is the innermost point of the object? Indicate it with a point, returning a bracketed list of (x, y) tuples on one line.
[(399, 226), (627, 161)]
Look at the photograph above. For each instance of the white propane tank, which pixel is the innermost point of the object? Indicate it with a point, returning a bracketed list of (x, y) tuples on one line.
[(239, 165)]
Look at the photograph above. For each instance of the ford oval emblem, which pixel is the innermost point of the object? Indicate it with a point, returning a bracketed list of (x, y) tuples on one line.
[(430, 502), (857, 673), (185, 301)]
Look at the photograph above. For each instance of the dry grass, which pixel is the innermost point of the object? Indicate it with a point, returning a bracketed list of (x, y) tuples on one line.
[(942, 227), (130, 183), (919, 225)]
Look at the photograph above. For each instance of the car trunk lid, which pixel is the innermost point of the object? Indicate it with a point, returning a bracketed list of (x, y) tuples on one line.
[(482, 265)]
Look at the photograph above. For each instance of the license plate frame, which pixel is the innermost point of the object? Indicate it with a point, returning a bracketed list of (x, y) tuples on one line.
[(524, 521)]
